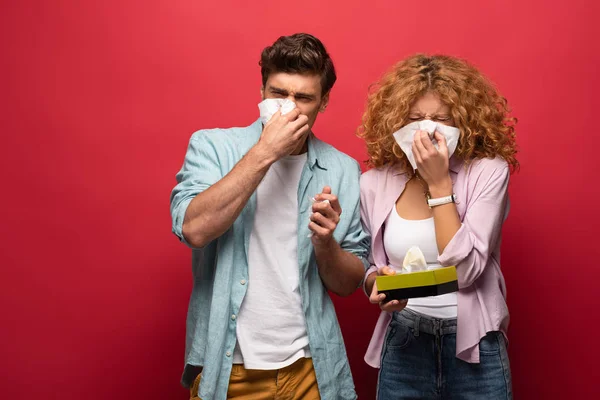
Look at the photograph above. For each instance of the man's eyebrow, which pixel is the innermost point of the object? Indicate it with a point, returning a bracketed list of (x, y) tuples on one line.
[(276, 89), (307, 95)]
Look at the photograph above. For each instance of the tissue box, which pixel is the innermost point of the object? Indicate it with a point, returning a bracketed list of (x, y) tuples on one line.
[(418, 284)]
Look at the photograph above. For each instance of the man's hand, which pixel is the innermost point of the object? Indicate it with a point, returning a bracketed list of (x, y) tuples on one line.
[(378, 298), (341, 271), (283, 134), (325, 217)]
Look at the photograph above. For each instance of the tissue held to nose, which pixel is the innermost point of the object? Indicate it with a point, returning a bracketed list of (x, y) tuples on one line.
[(268, 107), (405, 136)]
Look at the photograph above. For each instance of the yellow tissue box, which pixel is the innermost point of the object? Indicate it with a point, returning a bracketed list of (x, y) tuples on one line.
[(418, 284)]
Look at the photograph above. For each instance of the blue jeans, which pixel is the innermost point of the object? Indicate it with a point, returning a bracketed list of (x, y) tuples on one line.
[(419, 362)]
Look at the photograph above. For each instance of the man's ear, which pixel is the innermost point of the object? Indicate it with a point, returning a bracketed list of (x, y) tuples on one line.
[(324, 102), (262, 92)]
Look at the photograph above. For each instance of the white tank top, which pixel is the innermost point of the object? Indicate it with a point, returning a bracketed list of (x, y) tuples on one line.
[(400, 235)]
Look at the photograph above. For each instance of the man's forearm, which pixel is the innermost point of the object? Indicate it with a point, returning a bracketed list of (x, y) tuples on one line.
[(340, 271), (213, 211)]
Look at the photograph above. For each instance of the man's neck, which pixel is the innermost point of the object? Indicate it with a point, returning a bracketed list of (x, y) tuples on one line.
[(301, 149)]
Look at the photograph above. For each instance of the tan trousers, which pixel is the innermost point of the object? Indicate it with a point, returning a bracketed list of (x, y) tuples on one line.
[(294, 382)]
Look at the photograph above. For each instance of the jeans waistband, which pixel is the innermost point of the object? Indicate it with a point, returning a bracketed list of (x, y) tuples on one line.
[(422, 323)]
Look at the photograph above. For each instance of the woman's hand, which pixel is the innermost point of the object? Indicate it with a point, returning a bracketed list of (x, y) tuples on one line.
[(378, 298), (433, 164)]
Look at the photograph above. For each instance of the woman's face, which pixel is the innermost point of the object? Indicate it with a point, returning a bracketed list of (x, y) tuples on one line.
[(429, 106)]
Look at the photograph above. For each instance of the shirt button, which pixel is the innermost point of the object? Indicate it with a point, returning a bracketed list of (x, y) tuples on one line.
[(228, 354), (243, 281), (233, 317)]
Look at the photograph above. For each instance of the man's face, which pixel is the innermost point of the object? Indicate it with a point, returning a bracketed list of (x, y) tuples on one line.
[(304, 90)]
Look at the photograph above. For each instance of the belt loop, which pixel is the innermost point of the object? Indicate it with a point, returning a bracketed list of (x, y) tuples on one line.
[(437, 327), (417, 323)]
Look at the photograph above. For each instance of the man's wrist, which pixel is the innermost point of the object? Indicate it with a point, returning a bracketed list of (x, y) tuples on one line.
[(328, 247), (261, 157)]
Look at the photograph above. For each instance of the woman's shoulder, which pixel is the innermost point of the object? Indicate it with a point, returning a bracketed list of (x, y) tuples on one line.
[(373, 175), (488, 170), (497, 163), (488, 166)]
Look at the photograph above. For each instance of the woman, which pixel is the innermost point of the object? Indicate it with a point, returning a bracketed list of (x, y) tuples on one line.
[(445, 192)]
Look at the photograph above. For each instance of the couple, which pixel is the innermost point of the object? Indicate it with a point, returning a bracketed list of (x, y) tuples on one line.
[(277, 218)]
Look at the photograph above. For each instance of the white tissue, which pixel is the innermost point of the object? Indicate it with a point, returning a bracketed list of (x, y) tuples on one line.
[(268, 107), (414, 260), (405, 137)]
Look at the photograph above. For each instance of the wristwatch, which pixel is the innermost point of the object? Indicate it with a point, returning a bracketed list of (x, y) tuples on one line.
[(441, 200)]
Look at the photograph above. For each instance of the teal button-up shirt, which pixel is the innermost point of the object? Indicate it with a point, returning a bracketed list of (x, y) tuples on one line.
[(220, 269)]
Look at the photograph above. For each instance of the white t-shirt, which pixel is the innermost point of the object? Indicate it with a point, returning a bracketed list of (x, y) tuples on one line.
[(271, 328), (400, 235)]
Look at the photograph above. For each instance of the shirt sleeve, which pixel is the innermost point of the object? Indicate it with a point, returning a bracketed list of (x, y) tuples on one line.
[(472, 245), (357, 239), (200, 170), (366, 222)]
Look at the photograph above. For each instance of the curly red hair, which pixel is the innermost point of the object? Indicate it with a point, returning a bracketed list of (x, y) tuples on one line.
[(479, 111)]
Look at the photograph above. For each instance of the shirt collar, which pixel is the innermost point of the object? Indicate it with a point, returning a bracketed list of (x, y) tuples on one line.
[(316, 152)]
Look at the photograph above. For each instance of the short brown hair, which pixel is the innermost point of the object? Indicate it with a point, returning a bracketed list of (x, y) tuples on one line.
[(300, 53)]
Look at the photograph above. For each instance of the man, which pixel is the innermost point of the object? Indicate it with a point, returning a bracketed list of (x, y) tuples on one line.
[(261, 324)]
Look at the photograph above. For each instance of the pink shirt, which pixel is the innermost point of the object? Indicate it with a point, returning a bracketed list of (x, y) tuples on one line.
[(482, 195)]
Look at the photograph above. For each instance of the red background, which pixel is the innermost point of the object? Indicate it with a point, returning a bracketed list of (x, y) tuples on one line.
[(99, 100)]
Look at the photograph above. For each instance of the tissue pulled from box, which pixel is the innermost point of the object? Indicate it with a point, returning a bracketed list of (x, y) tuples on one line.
[(414, 260)]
